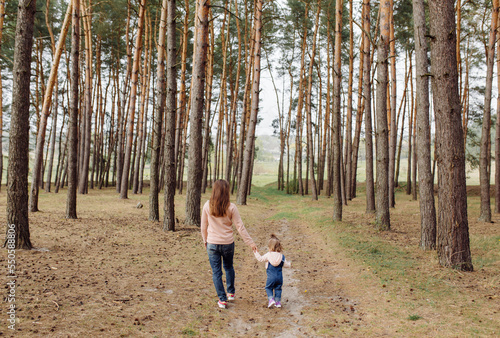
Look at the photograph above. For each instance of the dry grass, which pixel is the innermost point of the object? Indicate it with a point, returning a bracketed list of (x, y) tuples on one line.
[(113, 273)]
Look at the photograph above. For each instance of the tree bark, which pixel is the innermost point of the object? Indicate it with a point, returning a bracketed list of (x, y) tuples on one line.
[(195, 170), (298, 129), (336, 116), (497, 137), (310, 143), (393, 131), (154, 214), (47, 101), (485, 156), (86, 9), (425, 182), (250, 137), (131, 110), (359, 118), (73, 114), (234, 101), (141, 139), (2, 17), (411, 112), (348, 127), (383, 216), (52, 142), (169, 218), (453, 245), (370, 189), (17, 172), (206, 123)]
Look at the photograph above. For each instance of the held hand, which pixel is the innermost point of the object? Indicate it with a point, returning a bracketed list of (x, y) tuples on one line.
[(205, 245), (254, 248)]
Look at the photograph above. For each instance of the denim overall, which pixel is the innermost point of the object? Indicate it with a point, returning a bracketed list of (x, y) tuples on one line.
[(275, 280)]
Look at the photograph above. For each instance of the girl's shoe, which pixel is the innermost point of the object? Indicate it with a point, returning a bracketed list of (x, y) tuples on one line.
[(222, 304), (278, 304), (230, 296), (271, 302)]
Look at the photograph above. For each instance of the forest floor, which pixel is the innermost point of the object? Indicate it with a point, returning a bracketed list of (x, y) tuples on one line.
[(113, 273)]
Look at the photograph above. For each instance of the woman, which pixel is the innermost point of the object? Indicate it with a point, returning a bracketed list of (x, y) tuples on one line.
[(217, 218)]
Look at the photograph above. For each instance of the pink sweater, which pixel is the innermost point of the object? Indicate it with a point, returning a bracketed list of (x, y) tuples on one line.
[(272, 257), (219, 230)]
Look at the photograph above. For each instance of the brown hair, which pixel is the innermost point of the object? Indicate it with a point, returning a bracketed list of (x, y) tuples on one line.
[(219, 201), (274, 244)]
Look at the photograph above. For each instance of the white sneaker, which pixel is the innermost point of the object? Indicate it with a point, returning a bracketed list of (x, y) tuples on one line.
[(221, 304), (230, 296), (271, 302)]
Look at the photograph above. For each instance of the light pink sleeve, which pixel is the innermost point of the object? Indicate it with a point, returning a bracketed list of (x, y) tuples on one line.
[(204, 222), (236, 218), (259, 257)]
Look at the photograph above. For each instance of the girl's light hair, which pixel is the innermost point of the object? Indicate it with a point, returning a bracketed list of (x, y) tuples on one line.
[(219, 201), (274, 244)]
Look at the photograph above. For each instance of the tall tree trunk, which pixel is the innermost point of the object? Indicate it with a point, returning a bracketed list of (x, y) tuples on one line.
[(234, 101), (359, 117), (47, 101), (402, 106), (298, 132), (383, 216), (195, 170), (414, 154), (122, 102), (73, 114), (131, 110), (144, 103), (86, 136), (370, 189), (182, 93), (425, 182), (245, 116), (453, 245), (485, 156), (250, 137), (310, 143), (62, 155), (348, 127), (393, 131), (2, 17), (336, 117), (18, 232), (169, 219), (207, 125), (497, 137), (398, 156), (53, 141), (411, 112), (56, 101), (161, 96)]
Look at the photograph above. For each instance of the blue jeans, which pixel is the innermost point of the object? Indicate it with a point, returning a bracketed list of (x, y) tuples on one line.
[(222, 255)]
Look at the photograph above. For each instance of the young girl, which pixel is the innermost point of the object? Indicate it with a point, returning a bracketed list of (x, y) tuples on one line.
[(274, 270)]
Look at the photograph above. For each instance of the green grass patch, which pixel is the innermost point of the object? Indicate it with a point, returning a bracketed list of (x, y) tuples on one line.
[(189, 332), (414, 317), (378, 255), (289, 215)]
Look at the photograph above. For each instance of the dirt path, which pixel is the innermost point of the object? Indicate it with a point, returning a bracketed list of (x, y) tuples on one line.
[(112, 273), (315, 300)]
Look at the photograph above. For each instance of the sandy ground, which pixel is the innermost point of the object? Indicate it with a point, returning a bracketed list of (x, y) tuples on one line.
[(112, 273)]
